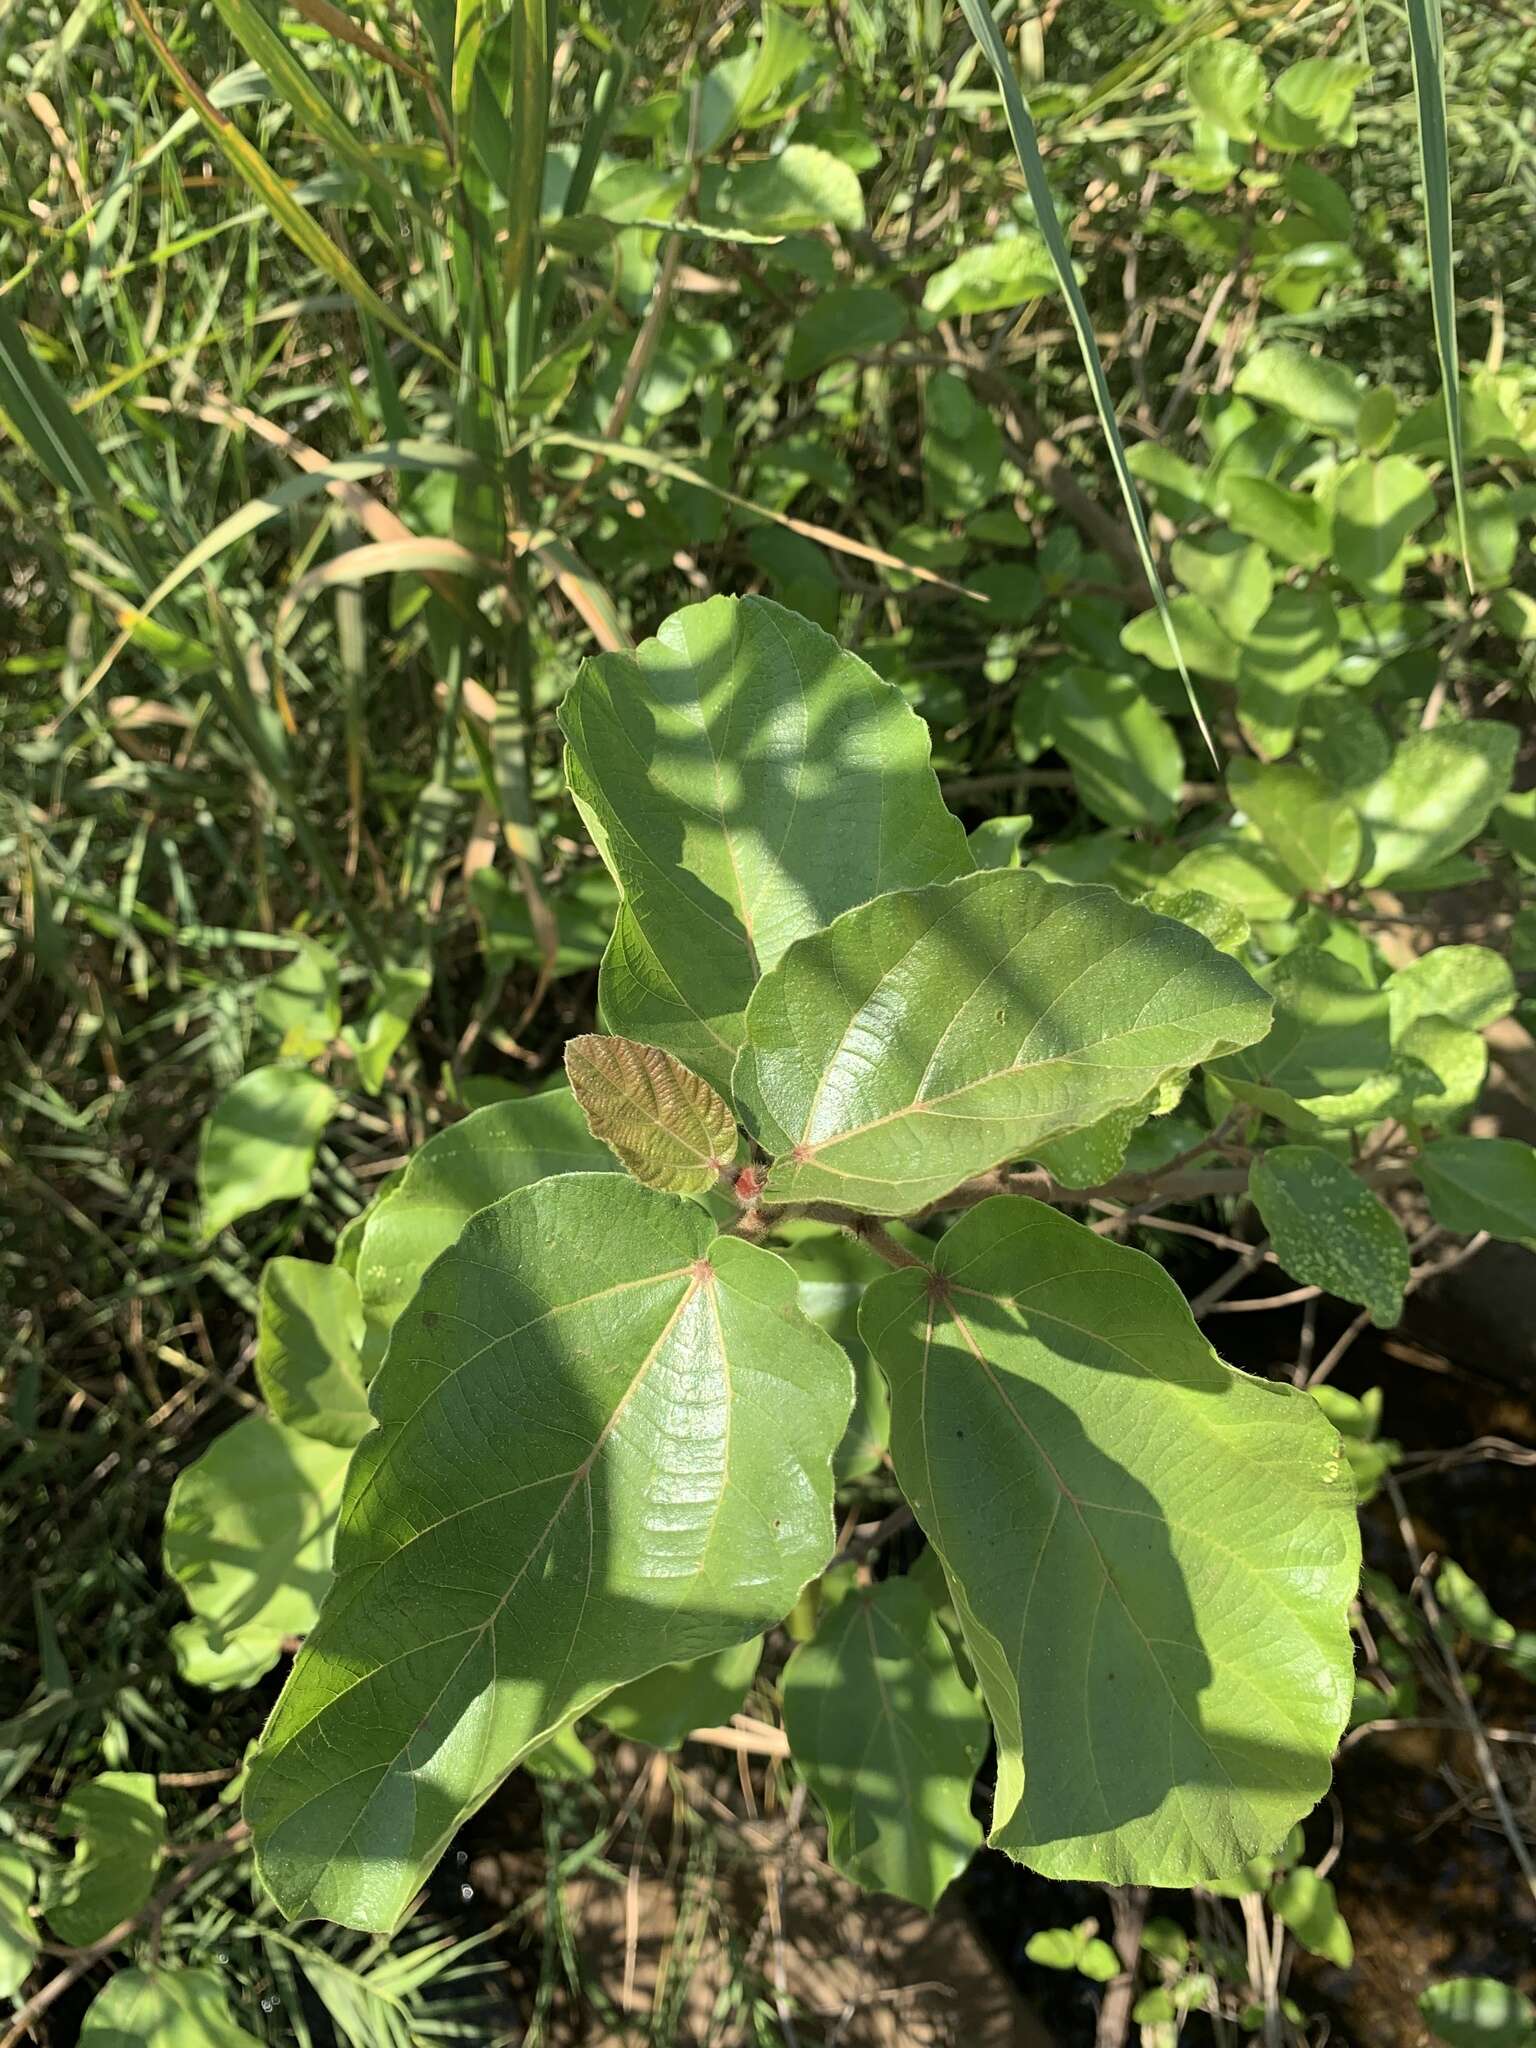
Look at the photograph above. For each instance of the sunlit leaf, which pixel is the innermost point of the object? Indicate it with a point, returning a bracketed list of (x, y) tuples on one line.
[(1153, 1555), (935, 1032), (604, 1444)]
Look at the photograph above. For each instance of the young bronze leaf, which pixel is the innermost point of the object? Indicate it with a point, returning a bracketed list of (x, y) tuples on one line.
[(934, 1033), (1152, 1555), (889, 1736), (745, 779), (667, 1126), (604, 1444)]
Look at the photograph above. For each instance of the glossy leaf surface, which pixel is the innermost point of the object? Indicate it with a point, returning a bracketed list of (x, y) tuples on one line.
[(1152, 1555), (604, 1444), (933, 1033)]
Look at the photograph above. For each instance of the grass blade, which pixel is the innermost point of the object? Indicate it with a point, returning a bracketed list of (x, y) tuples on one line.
[(39, 412), (266, 45), (1026, 143), (300, 227), (1424, 35)]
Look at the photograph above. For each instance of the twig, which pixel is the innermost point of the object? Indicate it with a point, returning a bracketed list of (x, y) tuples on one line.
[(1390, 1723), (1488, 1769), (1129, 1906)]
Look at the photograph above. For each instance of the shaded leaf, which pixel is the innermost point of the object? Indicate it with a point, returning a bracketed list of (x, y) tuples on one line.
[(301, 1003), (1327, 1059), (843, 322), (1439, 791), (1475, 1184), (1125, 754), (1472, 985), (309, 1350), (800, 187), (1308, 1907), (459, 1170), (745, 780), (18, 1930), (176, 2008), (1153, 1555), (1314, 833), (1478, 2012), (665, 1706), (888, 1736), (119, 1830), (1379, 503), (1294, 527), (248, 1531)]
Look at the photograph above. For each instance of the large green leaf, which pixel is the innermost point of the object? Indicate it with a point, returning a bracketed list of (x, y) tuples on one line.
[(1330, 1230), (177, 2008), (1439, 792), (1152, 1555), (888, 1735), (119, 1830), (604, 1444), (464, 1168), (248, 1531), (259, 1144), (936, 1032), (745, 780), (308, 1350), (1477, 1184), (1293, 527)]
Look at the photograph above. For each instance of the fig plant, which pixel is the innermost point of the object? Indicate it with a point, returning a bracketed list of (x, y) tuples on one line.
[(586, 1398)]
